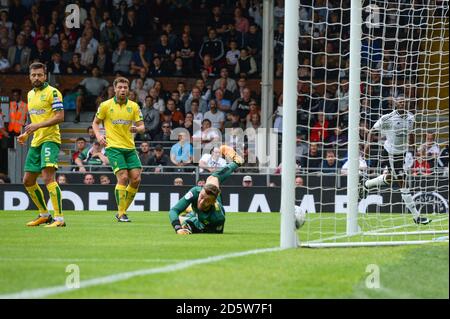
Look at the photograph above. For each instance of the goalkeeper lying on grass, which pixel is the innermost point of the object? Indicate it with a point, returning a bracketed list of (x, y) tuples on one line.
[(201, 209)]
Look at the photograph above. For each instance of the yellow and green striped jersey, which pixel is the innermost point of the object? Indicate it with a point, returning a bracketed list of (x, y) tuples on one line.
[(42, 102), (117, 120)]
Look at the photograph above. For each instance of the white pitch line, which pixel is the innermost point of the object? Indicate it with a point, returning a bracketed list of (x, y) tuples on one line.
[(44, 292)]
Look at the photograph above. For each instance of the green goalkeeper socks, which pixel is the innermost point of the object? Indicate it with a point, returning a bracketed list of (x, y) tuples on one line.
[(225, 172)]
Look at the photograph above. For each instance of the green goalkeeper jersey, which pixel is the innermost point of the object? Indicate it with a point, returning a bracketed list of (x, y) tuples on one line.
[(191, 199)]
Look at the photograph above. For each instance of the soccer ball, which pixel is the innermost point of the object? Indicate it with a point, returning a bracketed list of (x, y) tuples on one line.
[(300, 217)]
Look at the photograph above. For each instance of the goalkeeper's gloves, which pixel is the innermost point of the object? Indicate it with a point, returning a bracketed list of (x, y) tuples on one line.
[(184, 229)]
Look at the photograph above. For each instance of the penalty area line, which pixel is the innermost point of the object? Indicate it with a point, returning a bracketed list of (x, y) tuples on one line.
[(45, 292)]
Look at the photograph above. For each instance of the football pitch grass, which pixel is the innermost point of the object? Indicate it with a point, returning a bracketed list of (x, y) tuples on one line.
[(146, 259)]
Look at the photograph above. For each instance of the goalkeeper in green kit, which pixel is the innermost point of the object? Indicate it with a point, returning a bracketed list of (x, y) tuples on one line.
[(201, 209)]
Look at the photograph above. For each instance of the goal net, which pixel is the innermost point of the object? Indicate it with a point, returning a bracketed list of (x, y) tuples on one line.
[(403, 80)]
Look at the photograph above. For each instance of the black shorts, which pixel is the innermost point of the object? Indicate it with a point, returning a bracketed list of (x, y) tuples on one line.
[(394, 163)]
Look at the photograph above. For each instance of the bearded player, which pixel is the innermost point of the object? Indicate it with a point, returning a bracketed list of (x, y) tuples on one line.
[(45, 107), (121, 118), (396, 128), (201, 209)]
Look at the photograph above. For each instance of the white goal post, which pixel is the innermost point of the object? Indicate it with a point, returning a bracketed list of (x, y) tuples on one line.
[(347, 63)]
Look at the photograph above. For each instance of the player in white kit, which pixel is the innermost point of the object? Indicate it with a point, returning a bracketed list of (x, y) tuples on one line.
[(396, 128)]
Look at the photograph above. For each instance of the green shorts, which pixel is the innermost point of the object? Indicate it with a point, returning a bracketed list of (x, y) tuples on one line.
[(42, 156), (120, 158)]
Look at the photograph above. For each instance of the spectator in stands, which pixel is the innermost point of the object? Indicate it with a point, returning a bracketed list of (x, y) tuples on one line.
[(184, 95), (201, 182), (213, 46), (158, 102), (241, 85), (65, 51), (164, 50), (279, 43), (177, 116), (235, 121), (151, 119), (319, 131), (159, 159), (4, 63), (141, 60), (206, 134), (314, 157), (110, 35), (216, 117), (246, 64), (19, 55), (226, 94), (421, 165), (207, 68), (330, 163), (75, 67), (181, 153), (247, 181), (196, 95), (253, 109), (216, 20), (253, 41), (431, 149), (177, 68), (148, 82), (223, 104), (104, 180), (140, 92), (80, 146), (212, 161), (86, 54), (57, 66), (145, 154), (6, 41), (178, 181), (186, 51), (255, 121), (340, 135), (93, 156), (299, 181), (205, 91), (121, 58), (157, 69), (103, 59), (89, 179), (62, 179), (342, 95), (40, 53), (232, 55), (164, 134), (132, 28), (231, 83), (240, 22), (94, 84), (242, 105), (189, 123)]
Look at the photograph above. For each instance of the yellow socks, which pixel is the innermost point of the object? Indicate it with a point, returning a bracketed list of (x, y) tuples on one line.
[(55, 196), (131, 192), (37, 196), (121, 198)]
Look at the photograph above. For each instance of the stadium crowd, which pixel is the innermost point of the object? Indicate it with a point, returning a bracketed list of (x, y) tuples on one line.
[(219, 44)]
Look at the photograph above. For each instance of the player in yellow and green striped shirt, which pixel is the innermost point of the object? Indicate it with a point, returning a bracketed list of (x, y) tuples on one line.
[(45, 107), (121, 119)]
